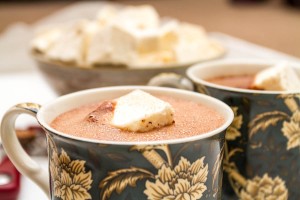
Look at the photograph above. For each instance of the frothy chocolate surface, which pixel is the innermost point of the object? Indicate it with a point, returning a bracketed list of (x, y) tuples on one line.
[(240, 81), (93, 121)]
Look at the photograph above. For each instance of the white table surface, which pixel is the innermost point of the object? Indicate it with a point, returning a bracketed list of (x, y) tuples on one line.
[(29, 86), (25, 87)]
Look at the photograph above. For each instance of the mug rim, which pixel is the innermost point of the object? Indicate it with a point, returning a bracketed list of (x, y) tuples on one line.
[(227, 114), (194, 68)]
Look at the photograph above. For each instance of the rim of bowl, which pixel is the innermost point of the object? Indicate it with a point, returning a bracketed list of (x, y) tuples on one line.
[(227, 112), (191, 71)]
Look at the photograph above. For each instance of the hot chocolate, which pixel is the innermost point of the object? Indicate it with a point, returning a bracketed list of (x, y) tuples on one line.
[(237, 81), (280, 77), (93, 121)]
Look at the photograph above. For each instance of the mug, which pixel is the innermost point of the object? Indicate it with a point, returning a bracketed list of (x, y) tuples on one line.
[(262, 146), (82, 168)]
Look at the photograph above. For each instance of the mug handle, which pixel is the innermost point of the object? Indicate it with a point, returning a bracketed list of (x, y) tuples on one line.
[(22, 161), (172, 80)]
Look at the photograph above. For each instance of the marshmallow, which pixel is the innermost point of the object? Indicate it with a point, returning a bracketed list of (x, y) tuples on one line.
[(280, 77), (68, 47), (131, 32), (141, 47), (193, 44), (107, 15), (139, 111), (168, 34), (43, 41), (133, 36), (100, 49), (72, 45), (138, 17)]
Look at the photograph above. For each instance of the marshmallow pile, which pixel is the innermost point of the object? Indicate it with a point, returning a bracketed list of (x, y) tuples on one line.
[(139, 111), (280, 77), (134, 36)]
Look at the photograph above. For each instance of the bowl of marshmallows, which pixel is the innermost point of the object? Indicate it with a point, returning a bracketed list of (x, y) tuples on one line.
[(126, 45)]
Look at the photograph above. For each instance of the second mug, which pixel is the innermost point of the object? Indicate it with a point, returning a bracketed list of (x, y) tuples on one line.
[(262, 146)]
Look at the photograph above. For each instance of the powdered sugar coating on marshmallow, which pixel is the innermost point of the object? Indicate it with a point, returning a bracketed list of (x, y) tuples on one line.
[(280, 77), (139, 111)]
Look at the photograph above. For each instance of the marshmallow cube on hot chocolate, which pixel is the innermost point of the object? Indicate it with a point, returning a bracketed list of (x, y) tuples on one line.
[(139, 111), (280, 77)]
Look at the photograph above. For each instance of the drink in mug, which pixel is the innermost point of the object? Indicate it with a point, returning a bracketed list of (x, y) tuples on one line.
[(95, 155)]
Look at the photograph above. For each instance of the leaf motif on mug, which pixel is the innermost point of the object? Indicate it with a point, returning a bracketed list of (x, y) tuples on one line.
[(292, 101), (291, 130), (291, 125), (289, 96), (264, 120), (71, 181), (233, 152), (233, 131), (117, 157), (216, 170), (236, 180), (118, 180), (183, 148), (150, 153), (264, 188), (185, 181)]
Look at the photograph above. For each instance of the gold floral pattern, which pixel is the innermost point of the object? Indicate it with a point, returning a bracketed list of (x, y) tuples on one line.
[(71, 181), (291, 130), (232, 131), (291, 124), (264, 188), (118, 180), (186, 181), (229, 166)]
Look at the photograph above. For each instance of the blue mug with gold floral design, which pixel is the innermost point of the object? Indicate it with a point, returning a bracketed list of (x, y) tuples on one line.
[(262, 146), (82, 168)]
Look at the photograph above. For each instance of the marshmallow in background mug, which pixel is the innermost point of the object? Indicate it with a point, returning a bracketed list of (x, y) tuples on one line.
[(280, 77)]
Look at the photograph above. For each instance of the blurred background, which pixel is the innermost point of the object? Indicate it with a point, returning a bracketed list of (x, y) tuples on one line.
[(271, 23)]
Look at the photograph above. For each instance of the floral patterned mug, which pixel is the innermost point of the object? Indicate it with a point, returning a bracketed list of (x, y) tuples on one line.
[(262, 148), (80, 168)]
